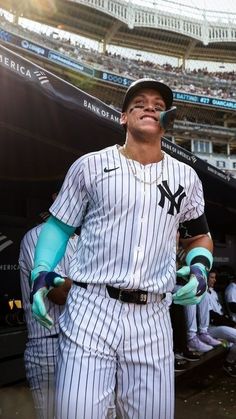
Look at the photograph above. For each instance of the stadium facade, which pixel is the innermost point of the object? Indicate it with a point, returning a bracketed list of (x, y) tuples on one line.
[(206, 121)]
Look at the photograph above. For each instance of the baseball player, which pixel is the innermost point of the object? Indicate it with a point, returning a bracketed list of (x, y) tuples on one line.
[(221, 326), (41, 348), (230, 298), (116, 331)]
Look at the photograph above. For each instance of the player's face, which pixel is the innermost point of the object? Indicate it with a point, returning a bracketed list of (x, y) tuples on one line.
[(143, 113), (212, 279)]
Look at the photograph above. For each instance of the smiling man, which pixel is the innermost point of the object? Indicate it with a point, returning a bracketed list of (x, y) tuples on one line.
[(130, 201)]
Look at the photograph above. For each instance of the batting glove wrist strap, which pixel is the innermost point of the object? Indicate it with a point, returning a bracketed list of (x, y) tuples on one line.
[(200, 255), (196, 287), (199, 272), (41, 267), (44, 280)]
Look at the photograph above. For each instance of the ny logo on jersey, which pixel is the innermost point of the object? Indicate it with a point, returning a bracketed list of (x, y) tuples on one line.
[(175, 199)]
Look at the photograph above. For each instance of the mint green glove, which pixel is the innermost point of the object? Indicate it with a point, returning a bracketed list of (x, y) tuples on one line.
[(39, 311), (49, 251), (195, 289), (41, 286)]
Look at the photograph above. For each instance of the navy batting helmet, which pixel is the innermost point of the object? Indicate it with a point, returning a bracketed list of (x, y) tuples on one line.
[(164, 90)]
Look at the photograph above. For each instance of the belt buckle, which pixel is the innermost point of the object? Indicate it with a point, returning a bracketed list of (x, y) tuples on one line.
[(132, 296), (121, 295)]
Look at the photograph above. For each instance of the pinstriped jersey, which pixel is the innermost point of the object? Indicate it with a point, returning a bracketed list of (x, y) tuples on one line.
[(26, 259), (129, 215), (214, 302), (230, 297)]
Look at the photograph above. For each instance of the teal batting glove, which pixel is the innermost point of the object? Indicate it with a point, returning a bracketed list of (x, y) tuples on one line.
[(41, 286), (199, 260), (184, 272), (195, 289)]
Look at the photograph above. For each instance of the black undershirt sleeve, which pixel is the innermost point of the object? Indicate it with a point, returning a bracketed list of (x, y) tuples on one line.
[(194, 227)]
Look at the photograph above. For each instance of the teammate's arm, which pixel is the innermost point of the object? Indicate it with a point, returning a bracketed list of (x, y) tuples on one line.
[(49, 251), (59, 294)]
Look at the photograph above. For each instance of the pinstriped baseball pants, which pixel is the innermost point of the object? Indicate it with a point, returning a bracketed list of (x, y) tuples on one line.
[(108, 346), (40, 361)]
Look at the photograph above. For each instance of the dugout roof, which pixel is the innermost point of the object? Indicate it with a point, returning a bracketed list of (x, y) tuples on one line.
[(46, 124)]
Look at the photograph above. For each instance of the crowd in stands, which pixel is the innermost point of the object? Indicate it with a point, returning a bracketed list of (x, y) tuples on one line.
[(198, 81)]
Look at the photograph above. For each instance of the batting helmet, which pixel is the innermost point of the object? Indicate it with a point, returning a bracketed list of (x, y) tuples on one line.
[(164, 90)]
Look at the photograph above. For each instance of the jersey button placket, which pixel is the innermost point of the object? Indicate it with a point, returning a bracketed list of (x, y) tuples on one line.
[(139, 250)]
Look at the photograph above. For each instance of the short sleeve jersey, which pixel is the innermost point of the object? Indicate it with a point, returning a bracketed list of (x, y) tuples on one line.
[(129, 216), (230, 296), (214, 302)]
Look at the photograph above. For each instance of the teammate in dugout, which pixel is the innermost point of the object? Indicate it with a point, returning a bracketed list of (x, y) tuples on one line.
[(130, 201), (41, 348)]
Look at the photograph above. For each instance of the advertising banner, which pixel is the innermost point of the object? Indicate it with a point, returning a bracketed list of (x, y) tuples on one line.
[(108, 77)]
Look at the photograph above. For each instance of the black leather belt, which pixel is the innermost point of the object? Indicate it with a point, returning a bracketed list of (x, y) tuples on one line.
[(81, 284), (128, 296), (55, 336), (124, 295)]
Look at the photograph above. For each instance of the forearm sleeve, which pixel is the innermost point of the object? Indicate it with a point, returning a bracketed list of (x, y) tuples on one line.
[(200, 255), (51, 245)]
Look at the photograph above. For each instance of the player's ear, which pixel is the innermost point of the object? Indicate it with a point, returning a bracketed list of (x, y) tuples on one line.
[(123, 118)]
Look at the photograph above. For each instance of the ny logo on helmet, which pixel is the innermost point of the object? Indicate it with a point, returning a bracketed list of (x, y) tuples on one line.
[(175, 199)]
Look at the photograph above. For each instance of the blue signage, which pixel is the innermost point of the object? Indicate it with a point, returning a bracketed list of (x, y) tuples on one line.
[(107, 76), (113, 78), (205, 100), (69, 62), (179, 96), (6, 36), (37, 49), (45, 52)]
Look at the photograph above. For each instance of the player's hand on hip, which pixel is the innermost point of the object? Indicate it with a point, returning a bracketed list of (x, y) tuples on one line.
[(41, 285), (196, 287)]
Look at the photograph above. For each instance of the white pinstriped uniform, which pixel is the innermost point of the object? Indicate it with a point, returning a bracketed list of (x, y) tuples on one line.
[(230, 297), (41, 348), (214, 302), (128, 240)]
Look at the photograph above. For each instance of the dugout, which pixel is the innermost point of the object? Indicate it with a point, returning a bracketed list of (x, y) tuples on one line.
[(45, 124)]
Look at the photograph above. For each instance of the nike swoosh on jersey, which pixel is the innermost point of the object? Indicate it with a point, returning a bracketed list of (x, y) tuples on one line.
[(106, 170)]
